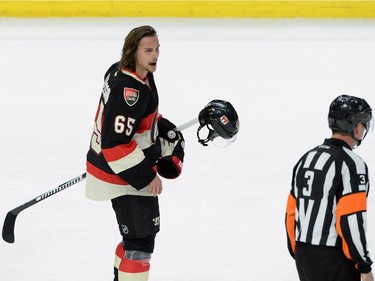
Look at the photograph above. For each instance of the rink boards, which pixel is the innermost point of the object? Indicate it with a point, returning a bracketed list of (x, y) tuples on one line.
[(190, 9)]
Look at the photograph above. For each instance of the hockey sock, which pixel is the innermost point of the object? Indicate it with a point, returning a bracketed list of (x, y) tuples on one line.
[(132, 266), (120, 254), (133, 270)]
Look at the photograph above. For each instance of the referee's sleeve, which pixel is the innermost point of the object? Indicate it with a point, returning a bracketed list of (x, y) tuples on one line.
[(351, 226), (290, 223)]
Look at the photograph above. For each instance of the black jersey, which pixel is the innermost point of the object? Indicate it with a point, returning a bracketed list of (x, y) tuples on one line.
[(327, 201), (124, 145)]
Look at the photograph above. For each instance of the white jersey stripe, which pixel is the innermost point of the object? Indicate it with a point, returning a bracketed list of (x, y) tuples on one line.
[(318, 226)]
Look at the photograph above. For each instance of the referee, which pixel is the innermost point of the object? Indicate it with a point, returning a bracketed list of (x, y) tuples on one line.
[(326, 208)]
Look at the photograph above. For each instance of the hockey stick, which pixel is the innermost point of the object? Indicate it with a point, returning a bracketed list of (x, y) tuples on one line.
[(187, 124), (10, 219)]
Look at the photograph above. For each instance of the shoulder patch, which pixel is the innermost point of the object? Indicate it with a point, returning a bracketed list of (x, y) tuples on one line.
[(131, 96)]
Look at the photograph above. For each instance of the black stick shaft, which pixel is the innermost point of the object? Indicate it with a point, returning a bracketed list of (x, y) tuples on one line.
[(10, 219)]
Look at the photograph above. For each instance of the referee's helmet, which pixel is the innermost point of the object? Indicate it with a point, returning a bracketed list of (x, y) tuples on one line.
[(345, 112)]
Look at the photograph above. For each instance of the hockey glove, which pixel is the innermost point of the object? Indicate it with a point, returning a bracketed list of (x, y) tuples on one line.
[(167, 130), (171, 161)]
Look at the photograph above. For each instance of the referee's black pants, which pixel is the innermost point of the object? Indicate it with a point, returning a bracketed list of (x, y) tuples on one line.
[(322, 263)]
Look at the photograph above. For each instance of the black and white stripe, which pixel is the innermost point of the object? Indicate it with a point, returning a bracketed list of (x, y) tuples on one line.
[(321, 178)]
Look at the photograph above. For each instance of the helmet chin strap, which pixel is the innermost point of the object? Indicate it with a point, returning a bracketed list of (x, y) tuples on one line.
[(210, 137), (357, 140), (358, 143)]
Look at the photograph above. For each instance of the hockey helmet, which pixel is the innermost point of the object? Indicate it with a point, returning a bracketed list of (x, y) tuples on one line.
[(221, 119), (345, 112)]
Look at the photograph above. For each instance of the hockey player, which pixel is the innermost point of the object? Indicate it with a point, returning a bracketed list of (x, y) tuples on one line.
[(326, 207), (131, 145)]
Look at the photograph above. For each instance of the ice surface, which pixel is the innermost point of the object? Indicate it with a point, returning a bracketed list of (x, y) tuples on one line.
[(223, 219)]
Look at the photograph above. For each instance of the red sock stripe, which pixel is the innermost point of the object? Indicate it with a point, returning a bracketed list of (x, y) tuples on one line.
[(120, 252), (132, 266)]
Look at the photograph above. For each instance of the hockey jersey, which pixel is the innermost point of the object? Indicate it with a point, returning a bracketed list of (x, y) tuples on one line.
[(327, 203), (124, 145)]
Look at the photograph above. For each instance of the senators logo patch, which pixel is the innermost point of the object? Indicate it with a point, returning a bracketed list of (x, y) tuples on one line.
[(131, 96)]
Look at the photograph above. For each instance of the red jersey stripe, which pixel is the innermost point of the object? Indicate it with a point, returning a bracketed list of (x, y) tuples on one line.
[(119, 151), (100, 174), (146, 123)]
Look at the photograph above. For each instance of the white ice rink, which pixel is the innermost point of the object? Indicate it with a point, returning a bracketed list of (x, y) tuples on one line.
[(223, 219)]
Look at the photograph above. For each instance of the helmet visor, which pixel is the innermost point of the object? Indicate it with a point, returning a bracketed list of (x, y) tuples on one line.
[(369, 125), (221, 142)]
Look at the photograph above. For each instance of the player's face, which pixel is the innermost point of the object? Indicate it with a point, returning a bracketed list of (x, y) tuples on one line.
[(147, 55)]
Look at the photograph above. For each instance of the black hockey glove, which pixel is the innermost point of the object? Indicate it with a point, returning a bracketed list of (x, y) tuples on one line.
[(171, 161), (167, 130)]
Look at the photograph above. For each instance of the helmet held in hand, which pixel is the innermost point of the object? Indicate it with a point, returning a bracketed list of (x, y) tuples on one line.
[(221, 119)]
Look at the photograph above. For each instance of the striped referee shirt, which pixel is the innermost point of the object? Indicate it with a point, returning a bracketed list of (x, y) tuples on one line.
[(328, 201)]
